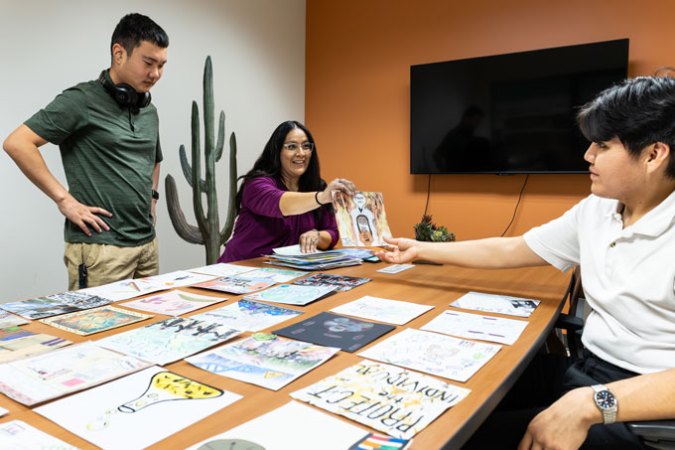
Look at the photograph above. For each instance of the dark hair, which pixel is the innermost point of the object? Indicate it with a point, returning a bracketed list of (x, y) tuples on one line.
[(135, 28), (639, 112), (268, 163)]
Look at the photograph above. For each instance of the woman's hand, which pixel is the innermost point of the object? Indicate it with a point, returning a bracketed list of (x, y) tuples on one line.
[(337, 185), (309, 241)]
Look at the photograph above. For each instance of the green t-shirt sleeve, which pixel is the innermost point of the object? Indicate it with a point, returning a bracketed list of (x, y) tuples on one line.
[(66, 114), (158, 153)]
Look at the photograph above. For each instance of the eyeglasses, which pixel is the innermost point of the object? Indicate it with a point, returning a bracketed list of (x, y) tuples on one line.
[(294, 147)]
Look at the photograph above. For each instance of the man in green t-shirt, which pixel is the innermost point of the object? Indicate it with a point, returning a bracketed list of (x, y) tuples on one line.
[(108, 133)]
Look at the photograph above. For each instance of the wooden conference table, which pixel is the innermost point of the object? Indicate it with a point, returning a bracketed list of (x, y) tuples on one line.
[(425, 284)]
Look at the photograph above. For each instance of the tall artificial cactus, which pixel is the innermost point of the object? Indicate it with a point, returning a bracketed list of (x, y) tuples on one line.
[(207, 231)]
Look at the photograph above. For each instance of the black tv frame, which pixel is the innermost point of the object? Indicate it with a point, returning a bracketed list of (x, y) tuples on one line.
[(578, 71)]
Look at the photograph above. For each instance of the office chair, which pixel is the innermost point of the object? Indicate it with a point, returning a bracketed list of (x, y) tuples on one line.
[(658, 434)]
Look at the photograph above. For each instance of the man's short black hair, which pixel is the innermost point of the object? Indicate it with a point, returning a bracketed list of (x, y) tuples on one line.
[(135, 28), (638, 111)]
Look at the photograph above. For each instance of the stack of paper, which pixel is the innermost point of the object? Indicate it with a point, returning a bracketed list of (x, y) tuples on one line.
[(316, 261)]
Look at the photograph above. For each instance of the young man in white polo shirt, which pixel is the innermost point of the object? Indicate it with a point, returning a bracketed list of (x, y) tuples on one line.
[(623, 238)]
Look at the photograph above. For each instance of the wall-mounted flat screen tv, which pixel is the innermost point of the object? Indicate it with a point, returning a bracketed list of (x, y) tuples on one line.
[(512, 113)]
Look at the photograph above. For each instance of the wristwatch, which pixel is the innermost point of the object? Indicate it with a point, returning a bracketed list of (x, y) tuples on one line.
[(606, 403), (155, 194)]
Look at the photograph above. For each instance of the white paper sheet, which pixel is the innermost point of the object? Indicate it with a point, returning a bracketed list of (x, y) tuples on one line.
[(444, 356), (501, 304), (18, 435), (396, 268), (475, 326), (382, 309), (222, 269), (138, 410), (173, 303), (291, 426)]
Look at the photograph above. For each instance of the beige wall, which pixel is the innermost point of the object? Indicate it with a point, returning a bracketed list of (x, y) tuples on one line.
[(359, 54)]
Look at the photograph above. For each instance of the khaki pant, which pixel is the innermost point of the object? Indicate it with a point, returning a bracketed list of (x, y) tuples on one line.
[(108, 263)]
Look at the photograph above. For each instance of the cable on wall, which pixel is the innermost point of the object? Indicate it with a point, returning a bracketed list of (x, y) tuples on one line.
[(426, 207), (515, 210)]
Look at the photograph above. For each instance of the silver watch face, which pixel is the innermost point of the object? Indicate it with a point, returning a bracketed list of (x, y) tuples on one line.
[(605, 400)]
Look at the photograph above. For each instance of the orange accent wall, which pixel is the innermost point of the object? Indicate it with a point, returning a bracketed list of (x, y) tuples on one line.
[(359, 54)]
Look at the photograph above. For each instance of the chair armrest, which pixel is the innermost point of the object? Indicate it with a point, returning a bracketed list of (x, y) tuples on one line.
[(656, 433), (569, 322)]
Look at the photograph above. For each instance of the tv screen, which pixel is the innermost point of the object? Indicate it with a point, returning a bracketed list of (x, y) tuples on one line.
[(512, 113)]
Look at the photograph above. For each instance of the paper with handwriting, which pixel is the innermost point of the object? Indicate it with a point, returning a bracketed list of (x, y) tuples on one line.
[(437, 354), (475, 326)]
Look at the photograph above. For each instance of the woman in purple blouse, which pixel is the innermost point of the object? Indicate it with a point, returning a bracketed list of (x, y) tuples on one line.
[(283, 200)]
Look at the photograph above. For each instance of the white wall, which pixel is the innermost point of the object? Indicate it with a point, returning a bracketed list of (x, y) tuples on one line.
[(258, 52)]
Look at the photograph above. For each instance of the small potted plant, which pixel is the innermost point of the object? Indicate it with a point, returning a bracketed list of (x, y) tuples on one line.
[(426, 230)]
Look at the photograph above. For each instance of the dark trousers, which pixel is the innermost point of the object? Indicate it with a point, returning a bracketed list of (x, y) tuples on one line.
[(545, 380)]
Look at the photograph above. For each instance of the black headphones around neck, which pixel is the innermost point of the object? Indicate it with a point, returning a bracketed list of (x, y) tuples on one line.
[(124, 94)]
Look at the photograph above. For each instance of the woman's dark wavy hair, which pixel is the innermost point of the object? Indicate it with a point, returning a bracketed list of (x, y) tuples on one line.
[(268, 163), (639, 112)]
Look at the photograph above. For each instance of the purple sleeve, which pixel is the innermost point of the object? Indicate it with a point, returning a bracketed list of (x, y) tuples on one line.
[(329, 224), (261, 195)]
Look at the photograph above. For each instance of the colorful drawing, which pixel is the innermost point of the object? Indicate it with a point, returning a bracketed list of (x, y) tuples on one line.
[(130, 288), (43, 377), (168, 386), (263, 359), (236, 285), (437, 354), (169, 340), (344, 282), (361, 218), (173, 303), (16, 343), (292, 294), (246, 315), (138, 410), (8, 320), (52, 305), (95, 320), (388, 398)]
